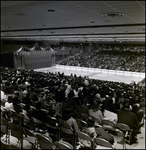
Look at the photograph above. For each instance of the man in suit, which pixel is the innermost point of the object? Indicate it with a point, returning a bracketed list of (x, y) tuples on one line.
[(129, 118)]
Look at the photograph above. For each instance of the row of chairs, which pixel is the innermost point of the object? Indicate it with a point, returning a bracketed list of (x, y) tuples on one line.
[(122, 133), (61, 131), (38, 140)]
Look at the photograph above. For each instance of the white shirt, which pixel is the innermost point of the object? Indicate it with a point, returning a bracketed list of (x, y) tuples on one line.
[(9, 106), (110, 116), (3, 96)]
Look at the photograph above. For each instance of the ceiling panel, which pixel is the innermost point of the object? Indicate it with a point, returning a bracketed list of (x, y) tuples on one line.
[(31, 18)]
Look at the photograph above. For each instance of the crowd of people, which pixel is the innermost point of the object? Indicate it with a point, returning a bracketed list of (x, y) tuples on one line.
[(109, 59), (65, 97)]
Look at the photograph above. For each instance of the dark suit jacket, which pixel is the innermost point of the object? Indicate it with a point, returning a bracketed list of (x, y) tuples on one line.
[(129, 118), (40, 115)]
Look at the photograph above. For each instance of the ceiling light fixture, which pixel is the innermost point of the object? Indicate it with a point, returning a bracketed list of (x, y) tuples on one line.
[(51, 10), (112, 14)]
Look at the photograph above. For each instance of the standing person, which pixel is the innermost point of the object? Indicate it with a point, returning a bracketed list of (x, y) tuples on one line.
[(68, 89)]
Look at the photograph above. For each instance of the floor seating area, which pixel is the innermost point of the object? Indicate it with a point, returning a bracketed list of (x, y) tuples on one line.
[(24, 131)]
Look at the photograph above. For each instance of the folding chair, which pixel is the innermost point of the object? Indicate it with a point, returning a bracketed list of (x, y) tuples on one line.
[(27, 122), (17, 132), (108, 125), (67, 133), (30, 137), (5, 131), (7, 146), (118, 136), (81, 123), (44, 142), (127, 133), (103, 143), (36, 123), (17, 118), (52, 127), (83, 136), (63, 145)]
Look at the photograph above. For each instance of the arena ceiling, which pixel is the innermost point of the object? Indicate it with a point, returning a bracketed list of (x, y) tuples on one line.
[(73, 21)]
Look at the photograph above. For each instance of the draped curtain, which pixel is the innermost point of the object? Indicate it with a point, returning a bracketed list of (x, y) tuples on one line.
[(34, 57)]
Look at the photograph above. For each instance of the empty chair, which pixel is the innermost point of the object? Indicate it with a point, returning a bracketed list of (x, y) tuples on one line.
[(102, 143), (63, 145), (44, 142)]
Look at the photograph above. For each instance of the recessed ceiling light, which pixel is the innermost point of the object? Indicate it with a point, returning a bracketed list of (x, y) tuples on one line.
[(51, 10), (112, 14)]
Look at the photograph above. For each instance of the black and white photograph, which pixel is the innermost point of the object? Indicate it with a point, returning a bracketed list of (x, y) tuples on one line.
[(72, 74)]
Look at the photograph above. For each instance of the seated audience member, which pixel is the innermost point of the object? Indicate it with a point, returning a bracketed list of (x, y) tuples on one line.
[(67, 118), (25, 98), (108, 115), (129, 118), (33, 97), (38, 113), (16, 104), (9, 104), (69, 122), (90, 129), (82, 108), (139, 113), (96, 114), (27, 111), (94, 132)]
